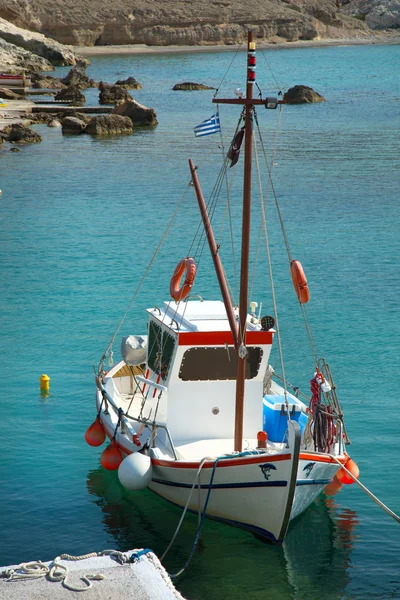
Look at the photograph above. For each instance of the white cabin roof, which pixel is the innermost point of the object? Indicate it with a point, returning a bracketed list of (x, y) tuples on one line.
[(206, 315)]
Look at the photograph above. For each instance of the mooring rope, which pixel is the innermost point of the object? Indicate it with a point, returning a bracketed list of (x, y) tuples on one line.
[(203, 460), (367, 491), (197, 536)]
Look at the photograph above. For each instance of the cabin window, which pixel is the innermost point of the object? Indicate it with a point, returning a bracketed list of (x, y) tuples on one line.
[(201, 364), (161, 347)]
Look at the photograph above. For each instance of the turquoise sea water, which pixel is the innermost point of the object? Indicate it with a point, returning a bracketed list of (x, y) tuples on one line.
[(79, 221)]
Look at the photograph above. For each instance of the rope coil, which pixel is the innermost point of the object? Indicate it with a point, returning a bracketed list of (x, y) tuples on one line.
[(58, 572)]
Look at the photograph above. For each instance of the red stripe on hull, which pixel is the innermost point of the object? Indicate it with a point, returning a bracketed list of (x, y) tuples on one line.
[(235, 462), (322, 458)]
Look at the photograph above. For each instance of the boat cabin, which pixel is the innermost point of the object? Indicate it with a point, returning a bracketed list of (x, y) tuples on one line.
[(191, 354)]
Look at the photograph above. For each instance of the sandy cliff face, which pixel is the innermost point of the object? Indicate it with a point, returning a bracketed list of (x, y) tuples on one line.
[(377, 14), (178, 22)]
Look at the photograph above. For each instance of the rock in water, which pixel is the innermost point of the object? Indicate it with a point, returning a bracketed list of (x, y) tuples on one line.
[(73, 125), (54, 123), (301, 94), (109, 125), (71, 94), (188, 85), (139, 114), (21, 134), (113, 94), (78, 78), (129, 84)]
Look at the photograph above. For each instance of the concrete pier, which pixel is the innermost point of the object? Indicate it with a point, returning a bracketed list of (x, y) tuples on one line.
[(59, 108), (144, 579), (12, 113)]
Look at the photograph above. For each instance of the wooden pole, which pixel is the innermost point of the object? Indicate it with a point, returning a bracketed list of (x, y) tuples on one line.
[(244, 269), (215, 256)]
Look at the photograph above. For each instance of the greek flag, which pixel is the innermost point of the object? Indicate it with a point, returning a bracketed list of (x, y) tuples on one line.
[(208, 126)]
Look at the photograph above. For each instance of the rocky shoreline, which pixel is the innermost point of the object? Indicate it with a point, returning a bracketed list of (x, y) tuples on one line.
[(32, 53), (385, 37)]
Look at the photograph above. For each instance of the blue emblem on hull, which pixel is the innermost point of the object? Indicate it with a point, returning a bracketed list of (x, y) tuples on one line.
[(266, 468), (308, 468)]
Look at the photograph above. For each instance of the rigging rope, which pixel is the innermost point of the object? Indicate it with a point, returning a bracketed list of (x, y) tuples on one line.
[(269, 181), (145, 274), (228, 69), (310, 336), (264, 223), (271, 71)]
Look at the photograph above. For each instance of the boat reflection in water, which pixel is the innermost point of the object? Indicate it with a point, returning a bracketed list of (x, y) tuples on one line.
[(230, 563)]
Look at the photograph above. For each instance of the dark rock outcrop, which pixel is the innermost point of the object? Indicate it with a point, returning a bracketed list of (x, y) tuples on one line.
[(189, 86), (138, 114), (113, 94), (46, 82), (109, 125), (72, 125), (302, 94), (71, 94), (78, 78), (129, 84), (18, 133)]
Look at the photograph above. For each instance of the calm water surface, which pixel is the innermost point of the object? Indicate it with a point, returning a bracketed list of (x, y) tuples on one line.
[(79, 221)]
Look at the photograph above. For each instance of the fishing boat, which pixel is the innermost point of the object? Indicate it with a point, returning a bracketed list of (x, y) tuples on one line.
[(194, 410), (10, 80)]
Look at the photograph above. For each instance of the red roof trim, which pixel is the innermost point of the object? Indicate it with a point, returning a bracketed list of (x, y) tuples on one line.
[(220, 338)]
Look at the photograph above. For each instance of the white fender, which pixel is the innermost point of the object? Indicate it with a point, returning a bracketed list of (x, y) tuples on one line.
[(135, 471)]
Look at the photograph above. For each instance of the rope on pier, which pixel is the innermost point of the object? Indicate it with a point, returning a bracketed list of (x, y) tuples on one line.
[(60, 572), (368, 492)]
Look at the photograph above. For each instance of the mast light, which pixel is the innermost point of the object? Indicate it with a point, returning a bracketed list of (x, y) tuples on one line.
[(271, 102)]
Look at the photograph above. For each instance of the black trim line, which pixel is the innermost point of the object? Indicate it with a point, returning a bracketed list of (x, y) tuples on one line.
[(219, 486)]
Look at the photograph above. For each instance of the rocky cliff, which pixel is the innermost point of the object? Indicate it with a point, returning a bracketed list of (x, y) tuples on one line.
[(23, 50), (179, 22), (377, 14)]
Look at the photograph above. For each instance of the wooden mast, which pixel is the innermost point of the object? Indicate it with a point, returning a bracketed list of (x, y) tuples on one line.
[(249, 102), (244, 269)]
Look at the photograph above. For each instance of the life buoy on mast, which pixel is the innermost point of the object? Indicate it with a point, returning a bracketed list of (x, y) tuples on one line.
[(299, 281), (177, 292)]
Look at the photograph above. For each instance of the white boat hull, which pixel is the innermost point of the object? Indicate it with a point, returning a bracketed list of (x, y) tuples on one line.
[(254, 492), (260, 493), (241, 496)]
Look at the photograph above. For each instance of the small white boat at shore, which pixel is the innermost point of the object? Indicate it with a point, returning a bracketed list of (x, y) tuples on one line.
[(9, 80), (195, 411)]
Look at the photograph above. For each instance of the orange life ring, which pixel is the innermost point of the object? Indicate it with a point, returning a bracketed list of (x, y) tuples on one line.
[(299, 281), (177, 292)]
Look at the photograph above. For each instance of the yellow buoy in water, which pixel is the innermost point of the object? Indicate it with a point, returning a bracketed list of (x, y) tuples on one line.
[(45, 383)]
